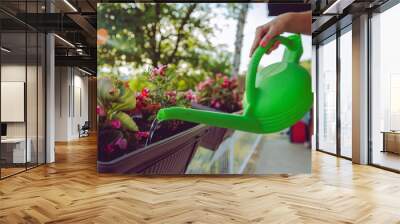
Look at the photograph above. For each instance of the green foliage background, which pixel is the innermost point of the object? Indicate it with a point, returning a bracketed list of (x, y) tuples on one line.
[(150, 34)]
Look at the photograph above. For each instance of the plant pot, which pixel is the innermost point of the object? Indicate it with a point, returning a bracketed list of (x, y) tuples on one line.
[(215, 135), (169, 156)]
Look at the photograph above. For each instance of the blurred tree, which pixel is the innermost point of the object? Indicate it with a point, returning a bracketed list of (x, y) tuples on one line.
[(174, 34), (241, 20)]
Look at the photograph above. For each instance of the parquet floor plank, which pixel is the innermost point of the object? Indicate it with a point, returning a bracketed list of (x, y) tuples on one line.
[(71, 191)]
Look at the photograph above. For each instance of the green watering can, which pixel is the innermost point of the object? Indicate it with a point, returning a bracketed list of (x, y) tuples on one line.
[(275, 98)]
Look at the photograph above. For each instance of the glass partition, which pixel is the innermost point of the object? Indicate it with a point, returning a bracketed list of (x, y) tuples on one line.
[(346, 94), (22, 89), (13, 94), (327, 96), (385, 89)]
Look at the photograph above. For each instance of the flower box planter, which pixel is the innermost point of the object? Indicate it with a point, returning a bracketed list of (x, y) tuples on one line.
[(168, 156), (215, 135)]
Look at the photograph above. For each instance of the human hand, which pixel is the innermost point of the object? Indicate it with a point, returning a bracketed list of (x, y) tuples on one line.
[(269, 30)]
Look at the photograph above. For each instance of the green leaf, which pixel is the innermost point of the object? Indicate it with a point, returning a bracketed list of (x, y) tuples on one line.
[(126, 121), (105, 86), (126, 102)]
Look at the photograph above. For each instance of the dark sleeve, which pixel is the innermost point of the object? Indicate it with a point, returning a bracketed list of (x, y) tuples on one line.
[(276, 9)]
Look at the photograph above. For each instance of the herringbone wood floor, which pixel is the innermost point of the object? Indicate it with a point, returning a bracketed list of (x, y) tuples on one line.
[(70, 191)]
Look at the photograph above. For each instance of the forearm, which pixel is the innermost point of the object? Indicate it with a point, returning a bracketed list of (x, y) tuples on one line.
[(298, 22)]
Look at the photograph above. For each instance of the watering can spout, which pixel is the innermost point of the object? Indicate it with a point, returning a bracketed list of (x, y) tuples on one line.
[(217, 119)]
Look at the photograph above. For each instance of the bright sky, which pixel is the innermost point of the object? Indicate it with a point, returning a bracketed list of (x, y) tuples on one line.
[(256, 16)]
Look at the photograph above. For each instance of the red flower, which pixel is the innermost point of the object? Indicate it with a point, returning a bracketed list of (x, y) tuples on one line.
[(109, 148), (139, 97), (141, 134), (145, 92)]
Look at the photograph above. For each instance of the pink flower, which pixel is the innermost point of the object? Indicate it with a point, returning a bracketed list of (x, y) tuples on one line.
[(121, 143), (209, 81), (215, 104), (116, 124), (171, 96), (206, 83), (171, 93), (190, 95), (159, 71), (109, 148), (226, 83), (172, 100), (201, 86), (100, 111), (219, 75)]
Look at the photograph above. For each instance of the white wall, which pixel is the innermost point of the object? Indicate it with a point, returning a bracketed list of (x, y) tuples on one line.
[(16, 73), (71, 94), (33, 127), (62, 81), (12, 73)]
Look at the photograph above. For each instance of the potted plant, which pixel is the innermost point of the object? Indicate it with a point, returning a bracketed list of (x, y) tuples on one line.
[(126, 116), (220, 93)]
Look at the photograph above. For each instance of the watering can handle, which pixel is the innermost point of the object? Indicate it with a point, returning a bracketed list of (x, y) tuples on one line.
[(293, 52)]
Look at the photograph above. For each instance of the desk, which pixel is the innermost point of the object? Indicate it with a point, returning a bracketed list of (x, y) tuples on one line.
[(13, 150), (391, 141)]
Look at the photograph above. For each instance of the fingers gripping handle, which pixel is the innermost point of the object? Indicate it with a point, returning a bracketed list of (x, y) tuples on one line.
[(293, 52)]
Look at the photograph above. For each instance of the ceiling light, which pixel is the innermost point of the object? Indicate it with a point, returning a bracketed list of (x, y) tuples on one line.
[(70, 5), (5, 50), (84, 71), (331, 7), (65, 41), (337, 7)]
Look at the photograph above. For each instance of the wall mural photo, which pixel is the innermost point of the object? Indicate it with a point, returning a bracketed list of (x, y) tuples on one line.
[(174, 91)]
